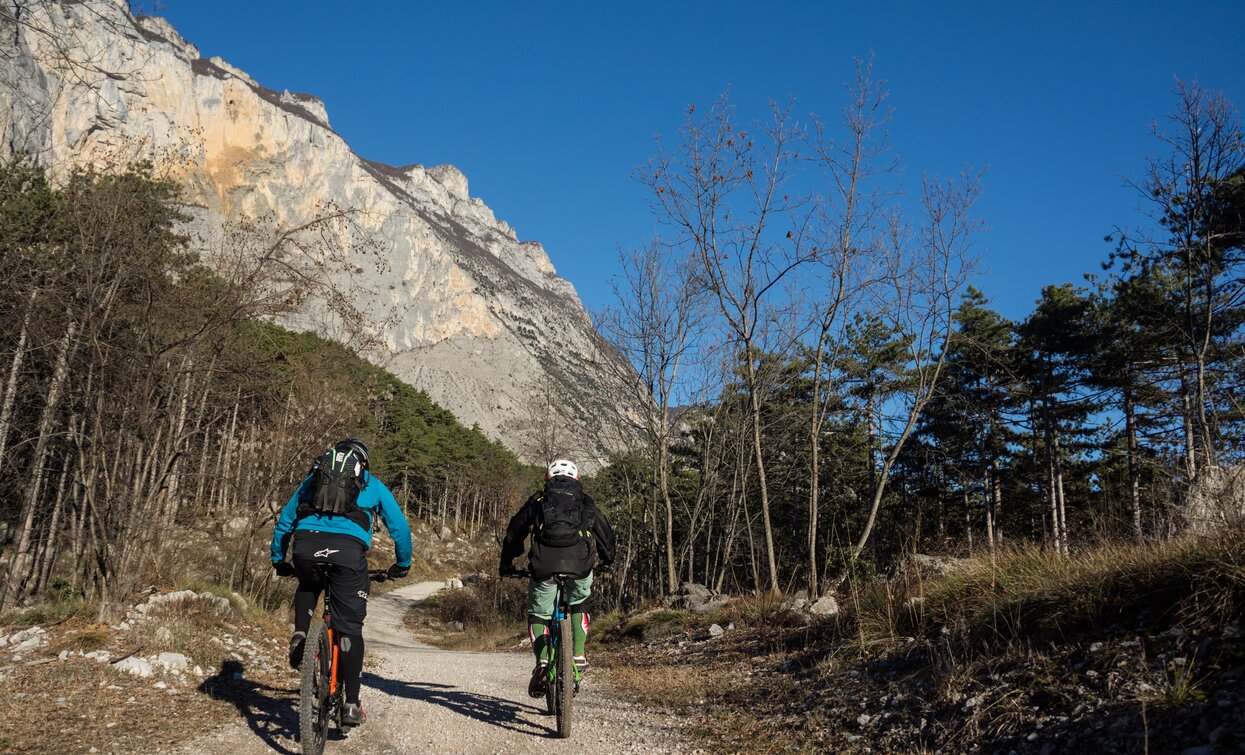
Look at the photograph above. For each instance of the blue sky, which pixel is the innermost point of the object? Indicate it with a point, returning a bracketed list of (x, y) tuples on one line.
[(550, 107)]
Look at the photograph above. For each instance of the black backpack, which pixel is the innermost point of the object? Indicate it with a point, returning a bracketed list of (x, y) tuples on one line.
[(563, 519), (336, 481)]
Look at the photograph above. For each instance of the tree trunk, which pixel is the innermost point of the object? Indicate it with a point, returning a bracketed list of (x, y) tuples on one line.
[(1186, 414), (1134, 481), (15, 370), (20, 562), (663, 483), (996, 486), (755, 403)]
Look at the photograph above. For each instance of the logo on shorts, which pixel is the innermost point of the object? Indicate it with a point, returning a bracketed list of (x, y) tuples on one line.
[(326, 552), (362, 594)]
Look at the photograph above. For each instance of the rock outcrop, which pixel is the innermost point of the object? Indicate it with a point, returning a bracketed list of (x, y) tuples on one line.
[(461, 307)]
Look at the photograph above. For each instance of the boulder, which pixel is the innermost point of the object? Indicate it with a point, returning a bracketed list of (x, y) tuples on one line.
[(173, 661), (134, 666), (697, 590), (693, 597), (825, 606), (717, 601), (936, 566)]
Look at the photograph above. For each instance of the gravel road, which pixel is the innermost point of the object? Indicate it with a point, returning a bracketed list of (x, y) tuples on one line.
[(422, 699)]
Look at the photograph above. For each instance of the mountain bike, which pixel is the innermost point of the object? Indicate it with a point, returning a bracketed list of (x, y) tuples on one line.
[(564, 676), (321, 695)]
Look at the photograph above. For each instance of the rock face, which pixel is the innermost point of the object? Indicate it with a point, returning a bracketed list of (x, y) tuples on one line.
[(462, 308)]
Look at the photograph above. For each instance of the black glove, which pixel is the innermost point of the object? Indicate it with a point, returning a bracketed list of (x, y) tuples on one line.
[(506, 570), (283, 568), (398, 572), (603, 569)]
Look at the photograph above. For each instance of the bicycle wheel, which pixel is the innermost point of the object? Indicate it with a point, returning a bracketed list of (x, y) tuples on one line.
[(565, 681), (313, 710)]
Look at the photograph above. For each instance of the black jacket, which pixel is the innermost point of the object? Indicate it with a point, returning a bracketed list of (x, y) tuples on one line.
[(543, 560)]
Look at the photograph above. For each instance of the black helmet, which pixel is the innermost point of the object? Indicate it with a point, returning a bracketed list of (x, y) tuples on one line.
[(354, 444)]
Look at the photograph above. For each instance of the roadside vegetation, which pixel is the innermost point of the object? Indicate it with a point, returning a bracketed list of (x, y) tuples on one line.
[(1116, 648)]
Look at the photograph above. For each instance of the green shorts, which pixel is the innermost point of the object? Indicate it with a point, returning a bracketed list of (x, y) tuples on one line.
[(540, 595)]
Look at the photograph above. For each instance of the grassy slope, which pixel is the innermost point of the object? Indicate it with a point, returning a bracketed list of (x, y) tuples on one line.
[(1118, 649)]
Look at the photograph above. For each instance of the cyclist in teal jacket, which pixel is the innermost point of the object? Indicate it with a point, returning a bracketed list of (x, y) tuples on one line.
[(330, 550)]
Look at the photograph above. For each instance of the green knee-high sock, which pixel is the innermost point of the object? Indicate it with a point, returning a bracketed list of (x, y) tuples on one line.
[(540, 641), (579, 626)]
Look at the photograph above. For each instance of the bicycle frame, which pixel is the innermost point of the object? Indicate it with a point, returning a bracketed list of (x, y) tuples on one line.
[(376, 576), (561, 610), (325, 705)]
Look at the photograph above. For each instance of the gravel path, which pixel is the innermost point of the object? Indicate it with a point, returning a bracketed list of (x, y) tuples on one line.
[(423, 699)]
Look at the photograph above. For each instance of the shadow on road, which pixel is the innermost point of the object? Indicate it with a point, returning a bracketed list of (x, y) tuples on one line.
[(272, 713), (505, 714)]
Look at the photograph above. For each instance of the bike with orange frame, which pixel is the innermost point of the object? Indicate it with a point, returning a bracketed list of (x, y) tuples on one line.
[(321, 693)]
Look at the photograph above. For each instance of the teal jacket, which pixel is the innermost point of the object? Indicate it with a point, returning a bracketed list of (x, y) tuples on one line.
[(374, 499)]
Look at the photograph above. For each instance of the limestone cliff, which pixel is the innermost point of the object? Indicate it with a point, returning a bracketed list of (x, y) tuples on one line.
[(467, 312)]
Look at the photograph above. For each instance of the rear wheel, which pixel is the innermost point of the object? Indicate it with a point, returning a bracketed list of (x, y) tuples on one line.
[(313, 710), (565, 677)]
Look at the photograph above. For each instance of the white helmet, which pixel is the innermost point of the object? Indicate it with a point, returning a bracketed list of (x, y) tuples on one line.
[(562, 468)]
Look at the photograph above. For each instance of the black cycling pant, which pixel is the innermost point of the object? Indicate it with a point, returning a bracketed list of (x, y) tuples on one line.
[(335, 564)]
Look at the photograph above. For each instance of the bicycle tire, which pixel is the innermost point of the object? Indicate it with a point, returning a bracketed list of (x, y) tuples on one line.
[(313, 713), (565, 674)]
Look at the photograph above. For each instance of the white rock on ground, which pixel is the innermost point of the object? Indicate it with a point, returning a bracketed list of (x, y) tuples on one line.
[(28, 639), (134, 666), (825, 606), (173, 661)]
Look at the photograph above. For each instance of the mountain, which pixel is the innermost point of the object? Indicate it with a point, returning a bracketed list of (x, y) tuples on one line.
[(457, 304)]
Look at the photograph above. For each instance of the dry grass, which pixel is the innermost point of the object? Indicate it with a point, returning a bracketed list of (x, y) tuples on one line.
[(671, 685), (999, 649), (53, 705), (1032, 593), (75, 705)]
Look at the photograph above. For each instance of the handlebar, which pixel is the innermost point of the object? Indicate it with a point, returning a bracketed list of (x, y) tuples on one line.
[(526, 573)]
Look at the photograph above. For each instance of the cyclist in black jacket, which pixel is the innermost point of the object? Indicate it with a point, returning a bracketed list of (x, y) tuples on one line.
[(569, 535)]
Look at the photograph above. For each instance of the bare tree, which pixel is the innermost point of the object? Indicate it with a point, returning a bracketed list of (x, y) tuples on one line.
[(1198, 251), (847, 227), (726, 196), (926, 278), (659, 309)]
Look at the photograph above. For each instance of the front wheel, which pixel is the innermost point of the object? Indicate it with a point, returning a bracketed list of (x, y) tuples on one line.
[(565, 677), (313, 709)]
